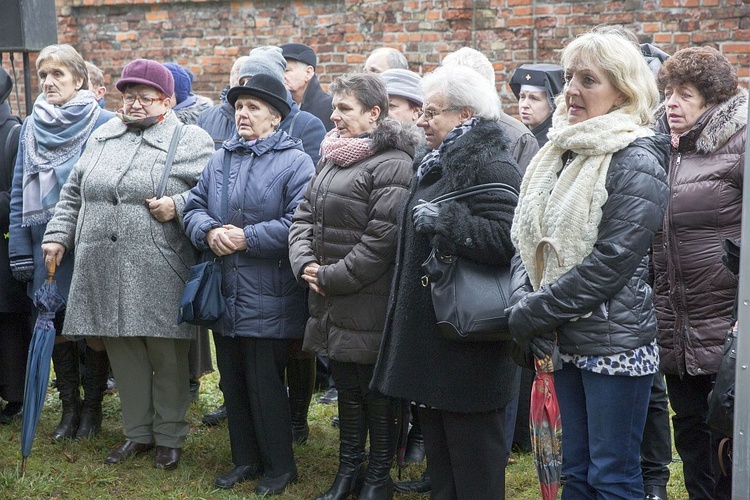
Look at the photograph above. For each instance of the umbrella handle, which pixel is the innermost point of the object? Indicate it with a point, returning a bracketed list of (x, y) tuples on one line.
[(51, 268)]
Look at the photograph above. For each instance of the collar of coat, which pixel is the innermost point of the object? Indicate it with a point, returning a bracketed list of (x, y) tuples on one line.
[(277, 141), (157, 136), (717, 125)]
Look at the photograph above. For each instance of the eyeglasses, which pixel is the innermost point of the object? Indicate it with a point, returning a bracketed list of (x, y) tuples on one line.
[(145, 101), (429, 114)]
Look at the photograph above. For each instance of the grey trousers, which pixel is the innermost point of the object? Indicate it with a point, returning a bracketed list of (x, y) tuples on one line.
[(153, 383)]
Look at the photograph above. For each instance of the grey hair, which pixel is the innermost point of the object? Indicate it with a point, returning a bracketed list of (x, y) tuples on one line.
[(464, 89), (472, 58), (67, 56), (395, 58)]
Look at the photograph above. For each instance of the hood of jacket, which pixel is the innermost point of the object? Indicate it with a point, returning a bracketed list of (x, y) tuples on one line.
[(392, 134)]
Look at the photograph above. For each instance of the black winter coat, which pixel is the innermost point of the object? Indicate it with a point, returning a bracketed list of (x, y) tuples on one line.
[(317, 102), (13, 296), (612, 281), (415, 363)]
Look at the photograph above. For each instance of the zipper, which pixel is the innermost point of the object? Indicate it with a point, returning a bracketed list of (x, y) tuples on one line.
[(682, 320)]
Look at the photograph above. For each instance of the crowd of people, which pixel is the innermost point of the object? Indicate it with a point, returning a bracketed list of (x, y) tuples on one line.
[(317, 207)]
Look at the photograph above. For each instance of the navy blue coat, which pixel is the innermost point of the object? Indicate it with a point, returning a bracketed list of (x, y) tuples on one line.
[(266, 182)]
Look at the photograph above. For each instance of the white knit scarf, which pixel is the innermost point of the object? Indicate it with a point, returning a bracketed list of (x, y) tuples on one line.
[(565, 204)]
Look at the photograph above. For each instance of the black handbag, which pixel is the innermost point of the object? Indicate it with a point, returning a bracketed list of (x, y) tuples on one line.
[(720, 416), (202, 301), (469, 298)]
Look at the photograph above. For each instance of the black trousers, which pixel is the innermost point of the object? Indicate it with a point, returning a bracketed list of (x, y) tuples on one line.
[(15, 335), (466, 454), (694, 440), (656, 447), (252, 379)]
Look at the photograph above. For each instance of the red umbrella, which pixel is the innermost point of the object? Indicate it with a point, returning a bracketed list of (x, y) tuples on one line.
[(544, 411)]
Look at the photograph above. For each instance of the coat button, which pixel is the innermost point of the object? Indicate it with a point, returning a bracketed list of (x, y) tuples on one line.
[(115, 202), (113, 237)]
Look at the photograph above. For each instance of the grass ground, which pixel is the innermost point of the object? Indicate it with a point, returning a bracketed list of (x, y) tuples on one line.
[(75, 469)]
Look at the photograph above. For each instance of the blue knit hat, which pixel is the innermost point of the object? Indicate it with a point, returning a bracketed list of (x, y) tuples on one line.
[(182, 81)]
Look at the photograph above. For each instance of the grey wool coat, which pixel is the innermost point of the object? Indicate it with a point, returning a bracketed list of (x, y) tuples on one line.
[(130, 269)]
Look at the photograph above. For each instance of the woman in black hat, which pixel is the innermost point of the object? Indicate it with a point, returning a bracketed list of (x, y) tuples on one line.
[(536, 86), (243, 216)]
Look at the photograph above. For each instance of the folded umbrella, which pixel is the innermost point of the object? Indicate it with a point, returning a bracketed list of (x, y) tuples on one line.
[(48, 301)]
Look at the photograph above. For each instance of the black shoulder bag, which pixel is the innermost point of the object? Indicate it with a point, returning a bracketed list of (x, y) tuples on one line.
[(202, 302), (469, 298)]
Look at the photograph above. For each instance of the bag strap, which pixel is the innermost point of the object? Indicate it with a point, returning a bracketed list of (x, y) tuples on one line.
[(11, 150), (475, 190), (170, 159), (225, 186)]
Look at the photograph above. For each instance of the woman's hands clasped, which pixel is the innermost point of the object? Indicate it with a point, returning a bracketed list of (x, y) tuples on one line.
[(226, 240), (310, 275)]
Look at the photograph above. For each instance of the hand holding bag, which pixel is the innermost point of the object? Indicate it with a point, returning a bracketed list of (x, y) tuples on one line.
[(469, 298), (202, 301)]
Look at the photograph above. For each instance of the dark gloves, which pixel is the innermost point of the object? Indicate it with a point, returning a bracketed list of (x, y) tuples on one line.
[(22, 268), (539, 344), (425, 216)]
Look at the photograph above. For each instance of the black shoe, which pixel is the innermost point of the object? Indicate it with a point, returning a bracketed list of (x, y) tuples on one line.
[(421, 485), (12, 411), (329, 397), (415, 451), (336, 422), (215, 417), (195, 386), (655, 492), (239, 474), (275, 485), (299, 436)]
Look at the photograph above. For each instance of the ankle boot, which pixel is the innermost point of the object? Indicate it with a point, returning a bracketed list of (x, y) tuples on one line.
[(94, 385), (352, 432), (415, 451), (300, 377), (65, 361), (382, 422)]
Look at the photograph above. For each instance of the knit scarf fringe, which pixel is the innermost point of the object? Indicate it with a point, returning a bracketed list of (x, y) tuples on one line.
[(565, 204)]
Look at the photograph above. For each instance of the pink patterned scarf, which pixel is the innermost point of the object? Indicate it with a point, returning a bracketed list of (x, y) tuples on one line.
[(345, 151)]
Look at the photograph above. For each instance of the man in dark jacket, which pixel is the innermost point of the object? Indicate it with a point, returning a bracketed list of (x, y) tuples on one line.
[(302, 82), (15, 306)]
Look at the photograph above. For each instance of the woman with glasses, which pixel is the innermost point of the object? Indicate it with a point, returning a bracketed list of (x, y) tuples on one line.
[(342, 245), (132, 256), (461, 388), (52, 139)]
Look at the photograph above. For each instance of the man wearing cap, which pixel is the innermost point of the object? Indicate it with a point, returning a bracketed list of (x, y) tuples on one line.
[(385, 58), (218, 120), (405, 97), (269, 60), (302, 82)]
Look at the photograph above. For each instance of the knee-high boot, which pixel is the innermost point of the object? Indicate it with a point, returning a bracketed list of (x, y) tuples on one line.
[(94, 385), (67, 373), (352, 432), (382, 416), (300, 376)]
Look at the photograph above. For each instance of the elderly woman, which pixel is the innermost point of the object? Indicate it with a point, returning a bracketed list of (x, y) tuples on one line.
[(536, 86), (404, 95), (51, 142), (109, 213), (342, 244), (706, 116), (597, 192), (461, 389), (263, 173)]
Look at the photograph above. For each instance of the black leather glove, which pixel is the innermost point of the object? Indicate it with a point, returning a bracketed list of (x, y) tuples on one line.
[(425, 217), (542, 346), (22, 268)]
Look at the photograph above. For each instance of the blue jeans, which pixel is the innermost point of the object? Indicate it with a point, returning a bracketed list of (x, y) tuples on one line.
[(602, 418)]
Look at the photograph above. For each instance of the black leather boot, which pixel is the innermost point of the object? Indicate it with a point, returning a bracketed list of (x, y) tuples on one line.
[(382, 422), (65, 361), (300, 377), (94, 385), (415, 451), (352, 435)]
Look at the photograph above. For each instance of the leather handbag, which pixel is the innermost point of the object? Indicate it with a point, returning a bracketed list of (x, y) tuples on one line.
[(469, 298), (202, 301)]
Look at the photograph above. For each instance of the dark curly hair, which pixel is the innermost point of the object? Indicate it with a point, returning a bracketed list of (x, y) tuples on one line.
[(703, 67)]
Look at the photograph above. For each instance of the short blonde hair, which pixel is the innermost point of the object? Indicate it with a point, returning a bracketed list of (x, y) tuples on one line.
[(67, 56), (624, 66)]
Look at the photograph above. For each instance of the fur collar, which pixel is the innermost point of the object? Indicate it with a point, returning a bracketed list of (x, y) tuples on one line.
[(717, 126), (391, 134)]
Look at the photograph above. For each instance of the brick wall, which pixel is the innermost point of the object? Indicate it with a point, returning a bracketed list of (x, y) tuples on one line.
[(206, 35)]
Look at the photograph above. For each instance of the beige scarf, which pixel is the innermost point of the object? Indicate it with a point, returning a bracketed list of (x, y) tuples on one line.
[(565, 204)]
